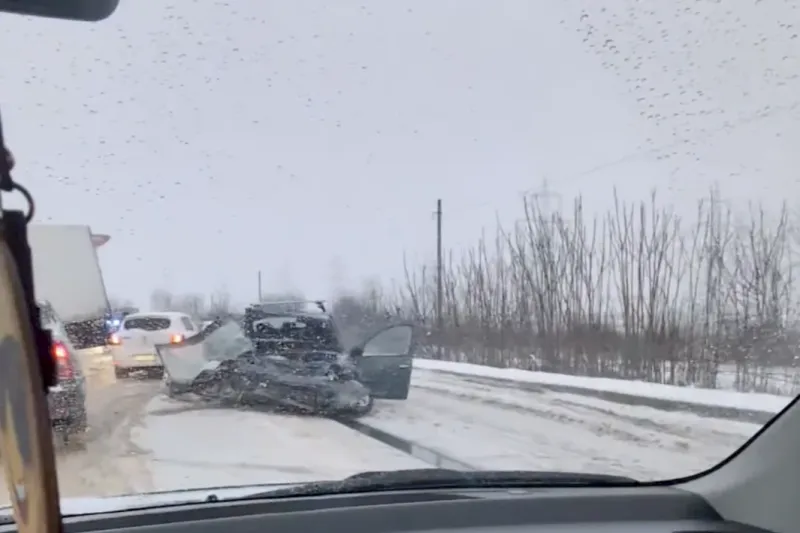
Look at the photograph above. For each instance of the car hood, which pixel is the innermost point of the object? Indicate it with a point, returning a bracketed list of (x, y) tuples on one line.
[(306, 362), (81, 506), (186, 360)]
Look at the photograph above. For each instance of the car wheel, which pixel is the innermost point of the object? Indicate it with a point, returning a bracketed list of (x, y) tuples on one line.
[(75, 434), (364, 405), (80, 424), (121, 373), (172, 390), (67, 438), (59, 438), (75, 441)]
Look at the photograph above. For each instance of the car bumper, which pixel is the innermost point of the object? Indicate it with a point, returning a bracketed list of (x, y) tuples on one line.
[(346, 396), (138, 360), (331, 397)]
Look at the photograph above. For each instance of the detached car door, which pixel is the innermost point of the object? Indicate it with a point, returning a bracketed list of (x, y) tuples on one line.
[(384, 361)]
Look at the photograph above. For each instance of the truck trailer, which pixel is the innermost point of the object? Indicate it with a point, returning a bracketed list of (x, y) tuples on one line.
[(67, 275)]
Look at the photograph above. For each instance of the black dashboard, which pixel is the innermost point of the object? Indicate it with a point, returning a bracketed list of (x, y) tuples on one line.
[(617, 510)]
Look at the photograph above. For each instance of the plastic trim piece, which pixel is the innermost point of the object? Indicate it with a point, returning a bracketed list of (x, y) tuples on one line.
[(664, 510)]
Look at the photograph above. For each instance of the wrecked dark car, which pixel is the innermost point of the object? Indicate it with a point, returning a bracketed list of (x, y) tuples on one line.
[(290, 361)]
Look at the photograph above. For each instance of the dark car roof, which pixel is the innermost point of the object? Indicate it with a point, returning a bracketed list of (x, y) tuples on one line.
[(333, 338), (258, 309)]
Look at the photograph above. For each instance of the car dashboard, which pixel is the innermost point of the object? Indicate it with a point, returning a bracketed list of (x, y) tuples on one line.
[(589, 510)]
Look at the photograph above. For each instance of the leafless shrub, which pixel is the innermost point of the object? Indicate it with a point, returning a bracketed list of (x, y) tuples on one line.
[(195, 305), (634, 294)]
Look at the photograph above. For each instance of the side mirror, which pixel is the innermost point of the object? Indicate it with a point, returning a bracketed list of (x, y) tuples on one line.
[(356, 351), (88, 10)]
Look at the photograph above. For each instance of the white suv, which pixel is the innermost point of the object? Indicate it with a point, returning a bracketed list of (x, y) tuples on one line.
[(133, 344)]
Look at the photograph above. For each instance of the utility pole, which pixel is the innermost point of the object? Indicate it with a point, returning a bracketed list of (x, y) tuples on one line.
[(439, 268), (543, 196), (259, 286)]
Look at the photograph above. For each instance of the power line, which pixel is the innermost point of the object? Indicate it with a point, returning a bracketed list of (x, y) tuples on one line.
[(647, 152)]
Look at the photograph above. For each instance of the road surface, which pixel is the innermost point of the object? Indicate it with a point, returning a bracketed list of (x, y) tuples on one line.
[(492, 426), (141, 441), (109, 465)]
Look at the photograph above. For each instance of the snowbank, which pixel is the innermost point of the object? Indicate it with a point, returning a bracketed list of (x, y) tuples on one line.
[(766, 403)]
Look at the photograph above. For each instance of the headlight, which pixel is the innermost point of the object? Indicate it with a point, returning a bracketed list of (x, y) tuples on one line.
[(346, 375)]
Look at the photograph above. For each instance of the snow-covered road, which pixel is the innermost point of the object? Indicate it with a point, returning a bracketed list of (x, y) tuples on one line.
[(141, 441), (109, 465), (189, 447), (494, 427)]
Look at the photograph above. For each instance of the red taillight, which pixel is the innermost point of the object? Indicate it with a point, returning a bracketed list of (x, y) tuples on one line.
[(59, 352), (114, 339), (176, 339), (63, 361)]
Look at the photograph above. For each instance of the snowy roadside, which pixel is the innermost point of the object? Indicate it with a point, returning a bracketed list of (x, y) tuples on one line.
[(496, 427), (143, 442), (750, 407)]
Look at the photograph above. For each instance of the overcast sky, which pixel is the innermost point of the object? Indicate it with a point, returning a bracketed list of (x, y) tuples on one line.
[(311, 139)]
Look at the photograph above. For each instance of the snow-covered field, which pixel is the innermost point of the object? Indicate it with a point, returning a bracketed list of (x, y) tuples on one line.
[(783, 381)]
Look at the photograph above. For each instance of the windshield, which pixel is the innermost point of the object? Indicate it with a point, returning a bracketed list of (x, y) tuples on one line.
[(148, 323), (535, 235), (296, 331)]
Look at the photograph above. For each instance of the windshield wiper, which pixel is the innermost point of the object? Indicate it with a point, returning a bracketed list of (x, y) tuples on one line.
[(442, 478)]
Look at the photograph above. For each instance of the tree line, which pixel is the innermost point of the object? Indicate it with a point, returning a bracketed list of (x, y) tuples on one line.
[(635, 293), (206, 306)]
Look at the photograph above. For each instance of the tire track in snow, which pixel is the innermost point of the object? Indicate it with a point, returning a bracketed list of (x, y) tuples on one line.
[(564, 417), (432, 456), (689, 426), (495, 426), (636, 423), (109, 465), (722, 412), (488, 437)]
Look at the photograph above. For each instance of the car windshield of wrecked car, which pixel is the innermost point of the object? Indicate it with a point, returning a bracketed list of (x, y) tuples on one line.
[(315, 332)]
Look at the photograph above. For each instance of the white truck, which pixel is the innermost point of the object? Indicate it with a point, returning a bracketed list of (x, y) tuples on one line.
[(67, 275)]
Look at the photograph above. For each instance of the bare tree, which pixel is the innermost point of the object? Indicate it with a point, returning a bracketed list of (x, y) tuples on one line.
[(219, 303), (161, 300), (287, 302), (636, 293), (115, 302), (193, 305)]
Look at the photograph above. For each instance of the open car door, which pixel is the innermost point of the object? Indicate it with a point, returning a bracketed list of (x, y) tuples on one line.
[(385, 359)]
